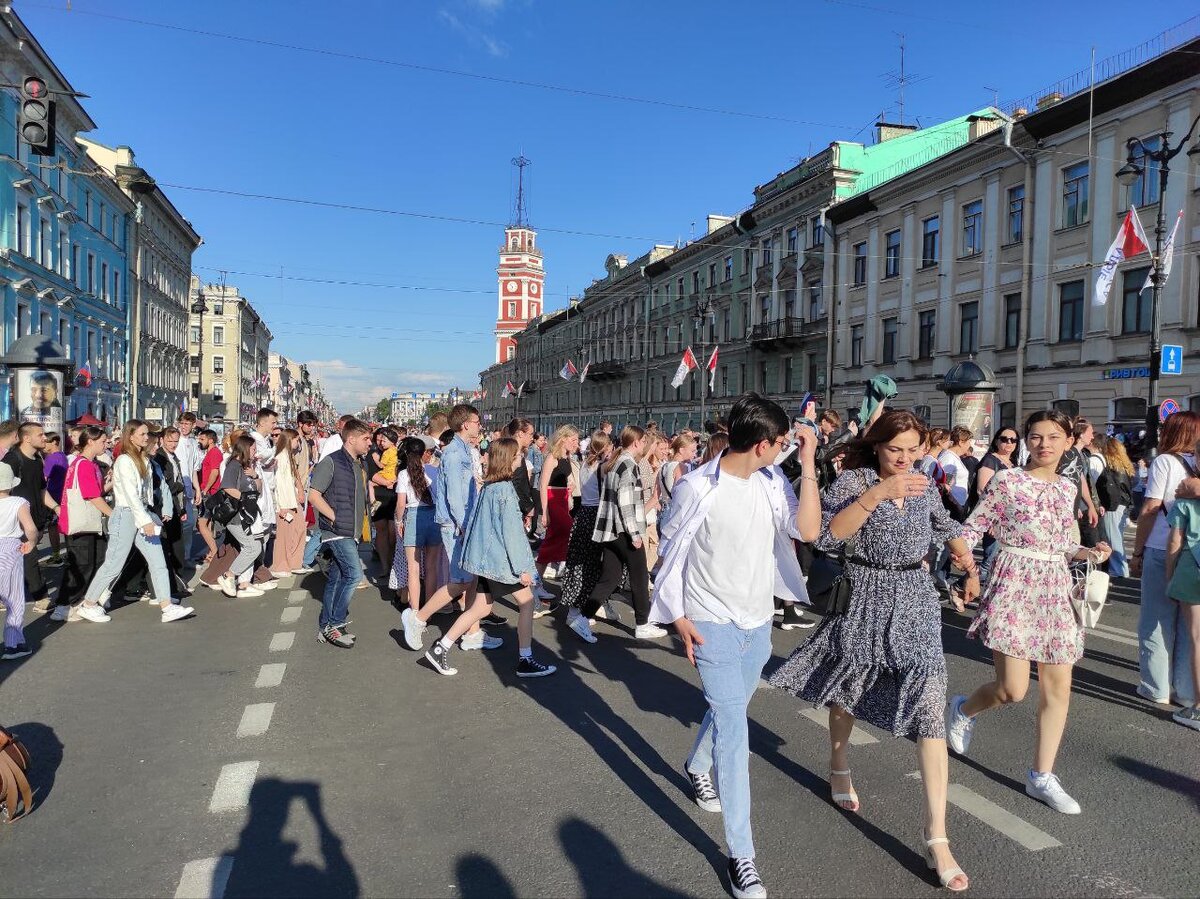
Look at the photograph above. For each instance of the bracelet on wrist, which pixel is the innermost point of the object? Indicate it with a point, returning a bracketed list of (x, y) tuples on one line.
[(864, 505)]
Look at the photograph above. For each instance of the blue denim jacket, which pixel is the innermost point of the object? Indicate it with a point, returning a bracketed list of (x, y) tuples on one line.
[(495, 545), (455, 493)]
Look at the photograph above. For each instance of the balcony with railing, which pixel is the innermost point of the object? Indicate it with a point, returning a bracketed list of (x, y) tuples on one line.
[(786, 329), (607, 371)]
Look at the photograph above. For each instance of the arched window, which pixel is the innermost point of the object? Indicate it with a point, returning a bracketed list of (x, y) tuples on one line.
[(1129, 408), (1070, 408)]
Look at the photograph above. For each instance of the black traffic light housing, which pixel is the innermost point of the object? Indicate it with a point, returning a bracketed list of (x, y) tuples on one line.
[(36, 119)]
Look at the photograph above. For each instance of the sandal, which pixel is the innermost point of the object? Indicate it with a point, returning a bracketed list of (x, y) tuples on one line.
[(839, 798), (951, 874)]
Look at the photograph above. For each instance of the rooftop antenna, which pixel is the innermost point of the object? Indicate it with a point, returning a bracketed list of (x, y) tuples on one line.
[(901, 79), (995, 96), (521, 215)]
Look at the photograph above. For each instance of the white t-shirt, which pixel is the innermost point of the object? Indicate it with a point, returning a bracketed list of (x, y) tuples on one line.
[(1165, 475), (956, 475), (264, 452), (330, 445), (730, 573), (10, 521), (404, 485)]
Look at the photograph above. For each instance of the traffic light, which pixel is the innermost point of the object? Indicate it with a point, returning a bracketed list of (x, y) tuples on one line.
[(36, 121)]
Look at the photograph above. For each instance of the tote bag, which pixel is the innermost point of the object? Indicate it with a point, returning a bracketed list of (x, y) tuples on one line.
[(82, 516)]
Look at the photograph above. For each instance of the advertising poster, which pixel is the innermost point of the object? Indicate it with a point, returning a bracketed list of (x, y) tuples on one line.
[(974, 411), (39, 397)]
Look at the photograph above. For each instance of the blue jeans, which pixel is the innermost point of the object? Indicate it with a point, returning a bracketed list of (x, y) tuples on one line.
[(1112, 527), (1165, 645), (453, 547), (345, 571), (123, 537), (730, 665), (311, 547)]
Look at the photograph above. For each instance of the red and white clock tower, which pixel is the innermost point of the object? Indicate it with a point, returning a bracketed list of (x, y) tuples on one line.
[(521, 278)]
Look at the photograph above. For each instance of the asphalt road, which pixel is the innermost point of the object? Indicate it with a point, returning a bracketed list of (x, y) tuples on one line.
[(234, 755)]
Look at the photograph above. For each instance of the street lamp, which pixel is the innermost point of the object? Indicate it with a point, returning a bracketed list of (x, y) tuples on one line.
[(701, 312), (199, 308), (1129, 173)]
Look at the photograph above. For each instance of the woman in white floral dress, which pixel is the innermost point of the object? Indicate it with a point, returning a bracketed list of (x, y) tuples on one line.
[(1025, 614)]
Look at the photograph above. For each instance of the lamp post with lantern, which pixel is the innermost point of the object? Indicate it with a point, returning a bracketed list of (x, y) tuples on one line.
[(199, 307)]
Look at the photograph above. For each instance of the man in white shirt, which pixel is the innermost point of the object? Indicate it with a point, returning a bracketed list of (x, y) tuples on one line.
[(727, 552), (189, 456), (333, 442)]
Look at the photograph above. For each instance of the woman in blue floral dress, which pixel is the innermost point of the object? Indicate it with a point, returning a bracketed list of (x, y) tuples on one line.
[(1025, 615)]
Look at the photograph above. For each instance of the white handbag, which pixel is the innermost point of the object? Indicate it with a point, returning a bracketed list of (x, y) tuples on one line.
[(82, 516), (1088, 593)]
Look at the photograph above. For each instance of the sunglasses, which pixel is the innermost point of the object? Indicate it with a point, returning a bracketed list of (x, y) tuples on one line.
[(1006, 439)]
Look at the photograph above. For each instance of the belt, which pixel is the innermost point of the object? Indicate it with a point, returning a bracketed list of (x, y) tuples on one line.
[(1033, 554), (867, 563)]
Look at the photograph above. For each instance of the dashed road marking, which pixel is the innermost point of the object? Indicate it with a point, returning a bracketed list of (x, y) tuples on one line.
[(858, 736), (298, 595), (270, 675), (283, 641), (205, 878), (290, 615), (1114, 637), (256, 719), (1016, 829), (232, 790)]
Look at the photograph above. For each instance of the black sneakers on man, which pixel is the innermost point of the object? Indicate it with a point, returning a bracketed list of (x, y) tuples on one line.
[(335, 636), (793, 620), (744, 879), (528, 666), (703, 791)]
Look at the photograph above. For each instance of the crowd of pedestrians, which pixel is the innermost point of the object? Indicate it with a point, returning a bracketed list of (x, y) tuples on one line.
[(713, 535)]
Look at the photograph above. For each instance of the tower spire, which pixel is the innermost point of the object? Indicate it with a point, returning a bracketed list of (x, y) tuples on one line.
[(521, 214)]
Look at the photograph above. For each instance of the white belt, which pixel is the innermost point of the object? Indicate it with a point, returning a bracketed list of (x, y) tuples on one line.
[(1033, 554)]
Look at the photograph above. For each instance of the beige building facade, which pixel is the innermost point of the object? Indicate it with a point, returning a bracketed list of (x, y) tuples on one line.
[(230, 350)]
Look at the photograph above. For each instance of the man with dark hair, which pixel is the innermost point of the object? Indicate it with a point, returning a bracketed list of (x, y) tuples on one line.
[(188, 454), (333, 442), (726, 553), (339, 495), (25, 459)]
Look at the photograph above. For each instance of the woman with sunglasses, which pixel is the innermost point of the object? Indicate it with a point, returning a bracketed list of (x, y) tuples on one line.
[(1001, 456)]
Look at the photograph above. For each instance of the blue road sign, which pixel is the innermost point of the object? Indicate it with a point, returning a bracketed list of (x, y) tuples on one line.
[(1166, 409), (1172, 360)]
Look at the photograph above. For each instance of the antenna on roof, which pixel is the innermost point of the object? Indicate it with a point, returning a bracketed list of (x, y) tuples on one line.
[(521, 214), (995, 96), (900, 79)]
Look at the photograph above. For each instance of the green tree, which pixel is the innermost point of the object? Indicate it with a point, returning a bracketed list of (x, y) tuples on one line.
[(383, 409)]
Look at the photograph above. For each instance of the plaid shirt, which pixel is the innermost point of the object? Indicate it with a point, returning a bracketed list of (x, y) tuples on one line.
[(621, 510)]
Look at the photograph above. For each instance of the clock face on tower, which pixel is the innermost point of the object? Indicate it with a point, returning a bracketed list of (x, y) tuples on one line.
[(510, 286), (534, 289)]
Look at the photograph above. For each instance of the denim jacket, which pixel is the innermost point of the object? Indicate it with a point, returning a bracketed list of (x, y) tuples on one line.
[(456, 491), (494, 542)]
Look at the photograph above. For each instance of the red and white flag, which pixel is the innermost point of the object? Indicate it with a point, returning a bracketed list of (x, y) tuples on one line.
[(583, 374), (1168, 253), (568, 371), (712, 369), (1130, 241), (685, 366), (508, 390)]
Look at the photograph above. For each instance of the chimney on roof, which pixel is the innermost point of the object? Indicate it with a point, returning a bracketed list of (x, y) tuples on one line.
[(1049, 100), (1020, 112), (981, 126), (716, 222), (888, 131)]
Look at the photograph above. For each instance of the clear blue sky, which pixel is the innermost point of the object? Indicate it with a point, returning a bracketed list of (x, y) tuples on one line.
[(211, 112)]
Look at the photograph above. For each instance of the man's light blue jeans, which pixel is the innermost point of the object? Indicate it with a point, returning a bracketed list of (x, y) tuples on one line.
[(730, 664), (1165, 645)]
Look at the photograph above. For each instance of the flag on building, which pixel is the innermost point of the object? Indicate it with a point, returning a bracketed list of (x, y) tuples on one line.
[(507, 391), (1130, 241), (521, 389), (83, 377), (686, 364), (1168, 253), (583, 374), (568, 371), (712, 369)]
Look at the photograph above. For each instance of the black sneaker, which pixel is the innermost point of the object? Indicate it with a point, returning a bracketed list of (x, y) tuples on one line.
[(793, 620), (528, 666), (333, 635), (494, 619), (345, 633), (15, 652), (439, 658), (744, 879), (703, 791)]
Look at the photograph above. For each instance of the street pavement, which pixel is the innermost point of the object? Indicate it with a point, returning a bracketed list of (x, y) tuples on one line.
[(232, 754)]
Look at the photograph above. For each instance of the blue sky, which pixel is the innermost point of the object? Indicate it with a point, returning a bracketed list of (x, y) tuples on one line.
[(379, 301)]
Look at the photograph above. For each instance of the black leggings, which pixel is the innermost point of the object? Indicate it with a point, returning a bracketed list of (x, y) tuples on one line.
[(620, 554)]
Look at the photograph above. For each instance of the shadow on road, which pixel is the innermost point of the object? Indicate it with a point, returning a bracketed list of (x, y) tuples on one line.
[(601, 866), (265, 863), (1172, 781), (479, 878), (45, 757)]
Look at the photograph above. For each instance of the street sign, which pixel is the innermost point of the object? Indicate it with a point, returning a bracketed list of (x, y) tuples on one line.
[(1166, 409), (1172, 360)]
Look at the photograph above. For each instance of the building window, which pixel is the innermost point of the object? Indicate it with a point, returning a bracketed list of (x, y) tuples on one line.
[(860, 264), (728, 268), (742, 385), (926, 338), (788, 384), (1008, 415), (766, 308), (1135, 312), (90, 285), (968, 327), (194, 363), (218, 307), (816, 308), (76, 272), (1012, 320), (793, 240), (64, 255), (929, 242), (789, 303), (856, 345), (818, 236), (1144, 191), (724, 380), (891, 263), (218, 365), (972, 229), (23, 226), (1070, 311), (762, 376), (1075, 195), (679, 283), (116, 282), (725, 329), (891, 328), (512, 310), (218, 392), (1069, 408), (508, 353), (64, 335), (218, 338), (24, 320), (712, 274), (195, 333), (45, 244), (746, 319), (104, 281), (766, 251), (1016, 214)]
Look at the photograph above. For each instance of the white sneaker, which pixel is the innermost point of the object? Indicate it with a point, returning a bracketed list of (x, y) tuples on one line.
[(176, 613), (227, 585), (958, 726), (60, 613), (304, 569), (649, 632), (480, 640), (279, 574), (414, 630), (579, 625), (245, 590), (540, 592), (95, 614), (1047, 788), (263, 586)]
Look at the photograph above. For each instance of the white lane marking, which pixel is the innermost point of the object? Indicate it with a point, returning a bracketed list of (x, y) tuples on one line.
[(205, 878), (1116, 638), (270, 675), (232, 790), (256, 719), (1120, 631), (283, 641), (290, 615), (1017, 829), (297, 595), (858, 736)]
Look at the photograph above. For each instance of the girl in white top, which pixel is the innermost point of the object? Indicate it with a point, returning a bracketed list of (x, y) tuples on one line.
[(18, 536), (132, 525), (287, 554)]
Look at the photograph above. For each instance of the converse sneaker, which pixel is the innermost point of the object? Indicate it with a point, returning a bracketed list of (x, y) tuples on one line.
[(577, 623), (958, 726), (94, 614), (744, 879), (528, 666), (649, 632), (703, 791), (18, 652), (345, 633), (480, 640), (491, 618), (439, 657), (793, 620), (414, 630), (333, 635), (60, 613), (1047, 788), (172, 612)]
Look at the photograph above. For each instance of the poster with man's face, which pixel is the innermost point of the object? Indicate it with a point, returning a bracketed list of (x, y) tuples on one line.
[(39, 397)]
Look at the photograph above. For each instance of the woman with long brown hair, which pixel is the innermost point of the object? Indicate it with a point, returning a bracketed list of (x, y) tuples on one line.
[(288, 552), (86, 542), (1114, 488), (881, 659), (585, 559), (554, 488), (132, 525), (241, 482), (417, 532)]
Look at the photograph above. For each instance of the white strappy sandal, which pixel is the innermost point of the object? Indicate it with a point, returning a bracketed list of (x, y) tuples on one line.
[(947, 876), (839, 798)]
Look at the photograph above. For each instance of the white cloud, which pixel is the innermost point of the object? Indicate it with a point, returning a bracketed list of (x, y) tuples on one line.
[(350, 387), (475, 35)]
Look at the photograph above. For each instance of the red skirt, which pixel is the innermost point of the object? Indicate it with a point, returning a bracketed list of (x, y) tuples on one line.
[(558, 527)]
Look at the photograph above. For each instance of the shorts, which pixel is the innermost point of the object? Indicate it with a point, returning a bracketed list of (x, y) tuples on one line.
[(496, 589), (419, 527), (453, 546)]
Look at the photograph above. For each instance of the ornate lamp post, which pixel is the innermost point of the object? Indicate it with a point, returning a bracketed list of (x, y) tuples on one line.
[(199, 308), (701, 312)]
